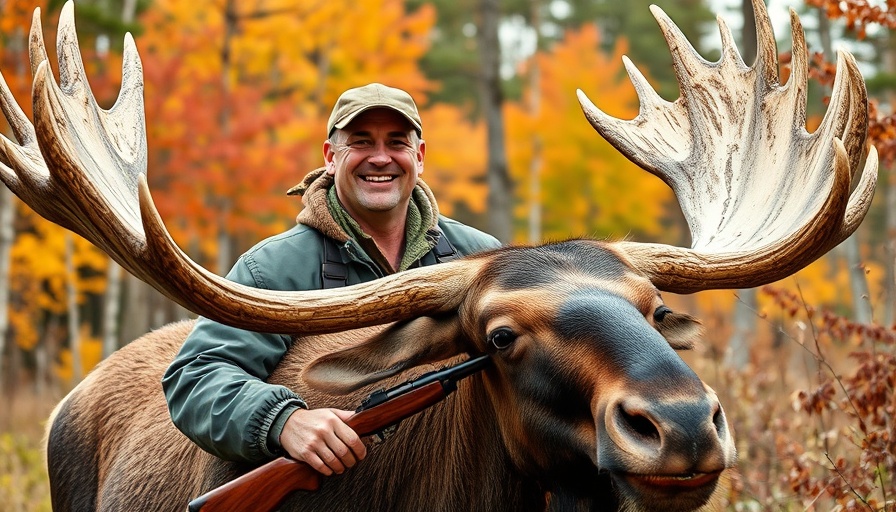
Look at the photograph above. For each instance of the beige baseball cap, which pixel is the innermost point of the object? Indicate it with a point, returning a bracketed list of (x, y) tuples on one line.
[(354, 101)]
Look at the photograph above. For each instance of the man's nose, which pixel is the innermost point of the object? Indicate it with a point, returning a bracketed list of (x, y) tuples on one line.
[(379, 156)]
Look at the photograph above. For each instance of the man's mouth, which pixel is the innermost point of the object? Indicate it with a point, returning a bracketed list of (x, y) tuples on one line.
[(377, 179)]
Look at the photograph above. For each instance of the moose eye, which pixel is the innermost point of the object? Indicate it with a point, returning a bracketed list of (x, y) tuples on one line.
[(661, 313), (501, 337)]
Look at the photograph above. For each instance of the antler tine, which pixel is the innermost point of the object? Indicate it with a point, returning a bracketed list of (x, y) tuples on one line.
[(22, 167), (91, 155), (753, 184), (85, 168)]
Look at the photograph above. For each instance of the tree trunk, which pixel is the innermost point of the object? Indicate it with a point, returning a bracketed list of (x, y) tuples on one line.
[(497, 176), (7, 237), (858, 281), (748, 34), (737, 355), (890, 249), (112, 304), (74, 320), (136, 309), (225, 204), (111, 308), (534, 108), (128, 11), (889, 315), (7, 217)]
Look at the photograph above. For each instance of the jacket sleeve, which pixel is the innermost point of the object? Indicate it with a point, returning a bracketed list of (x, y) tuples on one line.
[(216, 389)]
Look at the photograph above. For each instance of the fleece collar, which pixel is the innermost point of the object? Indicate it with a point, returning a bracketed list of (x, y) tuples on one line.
[(318, 214)]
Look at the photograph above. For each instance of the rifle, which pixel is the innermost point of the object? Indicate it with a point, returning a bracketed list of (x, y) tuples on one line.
[(265, 487)]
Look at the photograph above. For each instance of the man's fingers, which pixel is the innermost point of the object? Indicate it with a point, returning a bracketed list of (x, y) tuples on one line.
[(317, 464), (321, 438), (332, 461), (350, 438)]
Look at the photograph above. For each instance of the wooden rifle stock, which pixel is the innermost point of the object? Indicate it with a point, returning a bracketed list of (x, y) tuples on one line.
[(265, 487)]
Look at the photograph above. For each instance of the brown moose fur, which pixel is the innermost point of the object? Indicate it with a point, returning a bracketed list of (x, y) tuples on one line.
[(125, 454), (495, 444)]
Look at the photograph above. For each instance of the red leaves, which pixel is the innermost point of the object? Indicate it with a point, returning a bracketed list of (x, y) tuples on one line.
[(858, 14), (849, 457)]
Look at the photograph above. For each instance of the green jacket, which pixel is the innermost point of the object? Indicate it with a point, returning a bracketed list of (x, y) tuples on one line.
[(215, 387)]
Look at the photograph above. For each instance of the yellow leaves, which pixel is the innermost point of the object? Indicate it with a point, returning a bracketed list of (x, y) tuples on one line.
[(587, 187), (360, 51), (826, 282), (38, 267), (454, 165), (91, 352)]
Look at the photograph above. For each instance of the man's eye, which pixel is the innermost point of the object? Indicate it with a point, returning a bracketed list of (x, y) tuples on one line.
[(359, 144), (398, 144)]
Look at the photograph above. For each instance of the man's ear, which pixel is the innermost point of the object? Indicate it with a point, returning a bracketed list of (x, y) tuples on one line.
[(421, 152), (401, 346), (329, 155)]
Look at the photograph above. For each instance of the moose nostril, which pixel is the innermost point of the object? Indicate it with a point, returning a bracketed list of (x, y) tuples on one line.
[(718, 419), (639, 424)]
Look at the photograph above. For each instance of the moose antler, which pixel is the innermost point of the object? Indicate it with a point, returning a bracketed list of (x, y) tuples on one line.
[(84, 168), (762, 197)]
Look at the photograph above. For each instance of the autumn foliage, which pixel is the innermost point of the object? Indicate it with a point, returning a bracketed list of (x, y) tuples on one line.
[(586, 185), (843, 453), (237, 95)]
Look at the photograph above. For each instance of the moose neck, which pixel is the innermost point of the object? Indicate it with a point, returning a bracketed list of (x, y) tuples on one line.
[(451, 454)]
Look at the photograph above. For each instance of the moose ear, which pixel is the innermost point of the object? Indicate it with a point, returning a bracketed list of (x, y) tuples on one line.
[(681, 330), (401, 346)]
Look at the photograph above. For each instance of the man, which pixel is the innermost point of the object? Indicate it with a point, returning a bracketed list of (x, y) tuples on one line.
[(366, 215)]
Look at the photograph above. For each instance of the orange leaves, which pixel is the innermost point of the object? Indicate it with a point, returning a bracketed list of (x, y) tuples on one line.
[(377, 41), (238, 94), (15, 15)]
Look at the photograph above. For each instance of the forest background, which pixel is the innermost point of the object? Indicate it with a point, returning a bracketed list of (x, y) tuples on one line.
[(237, 95)]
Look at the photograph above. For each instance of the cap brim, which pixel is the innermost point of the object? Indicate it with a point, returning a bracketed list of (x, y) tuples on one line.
[(342, 123)]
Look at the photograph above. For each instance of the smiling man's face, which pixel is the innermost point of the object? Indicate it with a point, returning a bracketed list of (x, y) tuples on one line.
[(375, 162)]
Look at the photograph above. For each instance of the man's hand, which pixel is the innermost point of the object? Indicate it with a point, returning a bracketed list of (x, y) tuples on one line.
[(321, 439)]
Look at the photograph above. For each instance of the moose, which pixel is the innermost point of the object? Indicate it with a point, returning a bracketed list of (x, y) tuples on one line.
[(586, 404)]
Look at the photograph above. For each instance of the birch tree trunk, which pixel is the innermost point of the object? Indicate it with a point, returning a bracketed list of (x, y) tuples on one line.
[(111, 308), (535, 199), (737, 355), (74, 319), (128, 11), (497, 175), (890, 249), (112, 304), (7, 217), (850, 249), (7, 236), (136, 308)]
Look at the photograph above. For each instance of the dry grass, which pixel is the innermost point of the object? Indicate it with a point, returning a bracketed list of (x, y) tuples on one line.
[(23, 475)]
